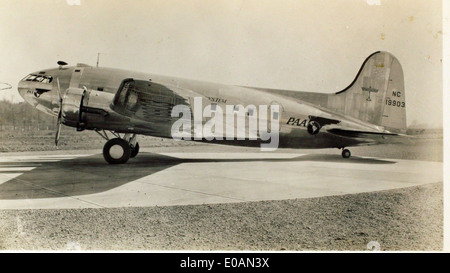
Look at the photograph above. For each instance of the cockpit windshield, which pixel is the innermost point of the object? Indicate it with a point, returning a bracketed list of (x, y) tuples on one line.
[(38, 78)]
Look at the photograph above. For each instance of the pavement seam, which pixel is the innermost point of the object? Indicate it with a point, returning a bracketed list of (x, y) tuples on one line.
[(186, 190)]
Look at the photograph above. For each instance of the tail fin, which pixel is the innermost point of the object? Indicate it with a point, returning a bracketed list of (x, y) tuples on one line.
[(376, 95)]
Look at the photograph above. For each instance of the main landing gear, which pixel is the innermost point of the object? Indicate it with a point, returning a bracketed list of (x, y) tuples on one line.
[(346, 153), (120, 149)]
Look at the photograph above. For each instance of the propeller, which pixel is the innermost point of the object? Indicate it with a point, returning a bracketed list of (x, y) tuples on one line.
[(8, 86), (58, 122)]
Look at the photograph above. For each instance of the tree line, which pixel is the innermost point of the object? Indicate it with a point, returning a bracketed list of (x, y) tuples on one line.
[(22, 116)]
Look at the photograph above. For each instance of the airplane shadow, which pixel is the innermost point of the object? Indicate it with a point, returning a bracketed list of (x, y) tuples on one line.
[(89, 175)]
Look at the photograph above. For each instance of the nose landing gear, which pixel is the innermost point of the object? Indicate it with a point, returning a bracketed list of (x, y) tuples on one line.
[(346, 153)]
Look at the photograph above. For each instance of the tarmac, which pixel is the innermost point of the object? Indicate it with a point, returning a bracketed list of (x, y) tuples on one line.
[(74, 179)]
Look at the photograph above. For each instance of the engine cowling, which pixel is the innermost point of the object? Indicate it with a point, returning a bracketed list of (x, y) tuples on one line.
[(72, 105)]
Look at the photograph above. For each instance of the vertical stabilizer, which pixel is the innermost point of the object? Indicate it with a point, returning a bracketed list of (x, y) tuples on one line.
[(376, 95)]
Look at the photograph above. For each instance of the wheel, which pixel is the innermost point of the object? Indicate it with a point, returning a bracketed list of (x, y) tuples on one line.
[(134, 150), (346, 153), (116, 151)]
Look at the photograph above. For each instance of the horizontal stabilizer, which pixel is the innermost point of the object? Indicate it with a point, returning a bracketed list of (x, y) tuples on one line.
[(378, 137), (354, 133)]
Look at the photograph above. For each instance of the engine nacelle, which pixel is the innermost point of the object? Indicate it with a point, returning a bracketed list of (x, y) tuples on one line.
[(72, 105)]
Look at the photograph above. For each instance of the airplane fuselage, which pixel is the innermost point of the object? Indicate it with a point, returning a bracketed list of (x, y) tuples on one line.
[(103, 84)]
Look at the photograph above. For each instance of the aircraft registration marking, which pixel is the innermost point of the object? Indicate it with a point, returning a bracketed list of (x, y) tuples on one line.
[(397, 103)]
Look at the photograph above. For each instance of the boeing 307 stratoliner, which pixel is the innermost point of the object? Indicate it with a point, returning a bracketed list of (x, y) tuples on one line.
[(371, 110)]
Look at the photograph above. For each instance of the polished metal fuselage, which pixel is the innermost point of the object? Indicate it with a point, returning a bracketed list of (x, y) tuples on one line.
[(103, 83)]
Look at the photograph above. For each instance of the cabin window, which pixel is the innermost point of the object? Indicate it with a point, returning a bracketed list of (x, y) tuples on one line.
[(38, 78), (213, 106), (132, 99), (128, 95), (123, 93), (99, 88), (31, 78)]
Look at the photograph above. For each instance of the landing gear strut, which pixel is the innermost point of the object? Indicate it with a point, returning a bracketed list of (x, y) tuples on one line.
[(346, 153), (120, 149), (134, 150)]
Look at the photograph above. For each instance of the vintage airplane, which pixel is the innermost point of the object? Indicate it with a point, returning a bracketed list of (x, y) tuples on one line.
[(371, 110)]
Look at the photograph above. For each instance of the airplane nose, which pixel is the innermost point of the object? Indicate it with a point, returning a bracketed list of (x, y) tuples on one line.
[(25, 89), (21, 88), (37, 90)]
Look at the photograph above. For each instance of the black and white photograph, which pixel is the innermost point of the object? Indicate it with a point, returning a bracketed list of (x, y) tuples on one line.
[(222, 126)]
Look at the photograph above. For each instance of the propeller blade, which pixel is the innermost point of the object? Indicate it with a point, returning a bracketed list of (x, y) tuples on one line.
[(58, 128), (59, 90), (58, 122), (8, 86)]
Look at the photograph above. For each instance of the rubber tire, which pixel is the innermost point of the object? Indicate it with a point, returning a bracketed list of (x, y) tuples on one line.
[(346, 153), (126, 151), (134, 151)]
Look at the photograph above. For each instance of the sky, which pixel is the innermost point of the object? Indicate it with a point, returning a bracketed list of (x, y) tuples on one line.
[(305, 45)]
